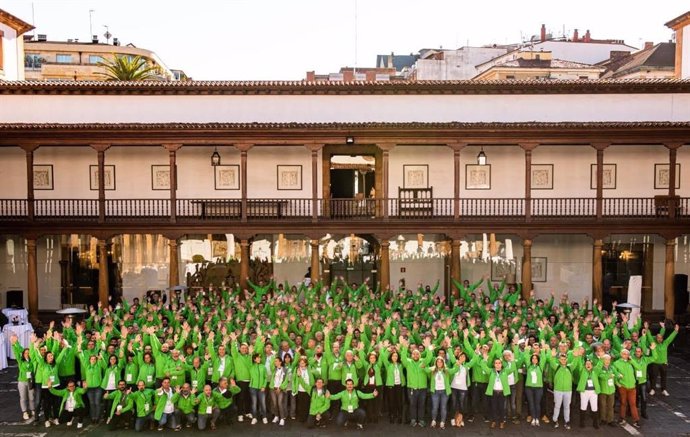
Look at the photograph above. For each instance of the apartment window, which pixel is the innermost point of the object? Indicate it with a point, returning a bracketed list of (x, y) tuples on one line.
[(95, 59), (510, 77), (33, 61), (584, 77), (63, 59)]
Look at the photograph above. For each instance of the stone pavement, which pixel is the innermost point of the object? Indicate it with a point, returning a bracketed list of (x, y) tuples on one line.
[(668, 416)]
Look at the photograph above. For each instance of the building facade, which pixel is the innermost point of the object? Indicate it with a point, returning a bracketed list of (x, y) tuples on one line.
[(568, 199), (12, 46), (540, 65)]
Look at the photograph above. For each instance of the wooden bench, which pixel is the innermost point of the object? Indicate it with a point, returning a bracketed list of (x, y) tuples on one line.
[(232, 208), (415, 202), (662, 205)]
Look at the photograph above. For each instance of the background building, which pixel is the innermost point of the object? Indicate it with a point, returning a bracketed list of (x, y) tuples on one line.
[(681, 26), (541, 66), (652, 62), (12, 46)]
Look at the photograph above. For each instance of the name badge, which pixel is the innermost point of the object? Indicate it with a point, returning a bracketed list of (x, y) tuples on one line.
[(129, 377), (195, 384), (52, 378), (638, 373), (210, 371), (348, 376), (146, 408), (610, 382), (209, 410), (349, 409), (534, 377), (149, 378), (28, 375)]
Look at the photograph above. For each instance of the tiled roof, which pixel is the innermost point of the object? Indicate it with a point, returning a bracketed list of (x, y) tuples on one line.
[(344, 126), (544, 63), (662, 55), (346, 88)]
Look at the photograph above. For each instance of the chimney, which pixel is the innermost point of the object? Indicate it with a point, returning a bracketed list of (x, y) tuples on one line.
[(94, 39), (311, 76), (116, 42), (543, 32), (576, 36), (588, 37), (348, 75), (390, 60), (371, 76), (648, 45)]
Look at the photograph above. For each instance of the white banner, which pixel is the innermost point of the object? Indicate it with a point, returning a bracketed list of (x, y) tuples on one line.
[(634, 297)]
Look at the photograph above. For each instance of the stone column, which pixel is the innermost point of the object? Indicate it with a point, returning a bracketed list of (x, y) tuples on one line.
[(100, 149), (32, 280), (385, 270), (597, 272), (672, 177), (385, 148), (315, 265), (528, 147), (29, 149), (669, 296), (455, 260), (244, 263), (526, 267), (457, 147), (314, 148), (103, 286), (174, 267), (600, 147), (243, 148)]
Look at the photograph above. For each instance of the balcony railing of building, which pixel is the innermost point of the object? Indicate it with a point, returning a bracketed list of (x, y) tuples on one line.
[(441, 209)]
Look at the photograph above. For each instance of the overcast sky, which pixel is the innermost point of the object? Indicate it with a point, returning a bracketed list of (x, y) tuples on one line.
[(282, 39)]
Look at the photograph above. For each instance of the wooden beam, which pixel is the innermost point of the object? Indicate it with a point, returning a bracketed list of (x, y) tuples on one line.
[(315, 265), (103, 279), (600, 147), (385, 270), (174, 264), (172, 149), (244, 263), (30, 148)]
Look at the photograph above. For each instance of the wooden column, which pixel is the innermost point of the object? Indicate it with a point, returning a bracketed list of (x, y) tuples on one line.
[(315, 265), (314, 148), (172, 151), (648, 276), (103, 287), (455, 272), (385, 148), (32, 280), (457, 147), (600, 147), (526, 267), (528, 147), (669, 297), (597, 271), (100, 149), (243, 148), (244, 263), (385, 270), (174, 268), (29, 148), (672, 177)]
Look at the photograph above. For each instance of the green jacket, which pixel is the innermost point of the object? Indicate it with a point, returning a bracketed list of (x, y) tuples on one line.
[(584, 376), (147, 373), (446, 374), (162, 399), (319, 403), (115, 371), (502, 375), (120, 398), (186, 404), (222, 366), (93, 372), (416, 375), (534, 375), (625, 373), (607, 379), (224, 399), (298, 381), (204, 402), (26, 367), (131, 372), (243, 362), (176, 371), (257, 376), (349, 401), (662, 348), (64, 394), (562, 375), (198, 377), (143, 401), (350, 371)]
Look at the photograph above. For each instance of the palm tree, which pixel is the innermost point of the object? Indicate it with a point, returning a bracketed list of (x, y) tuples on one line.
[(128, 68)]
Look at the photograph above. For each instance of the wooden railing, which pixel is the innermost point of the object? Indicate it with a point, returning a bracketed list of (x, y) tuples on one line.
[(442, 209)]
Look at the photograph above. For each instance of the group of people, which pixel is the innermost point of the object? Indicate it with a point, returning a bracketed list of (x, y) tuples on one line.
[(343, 355)]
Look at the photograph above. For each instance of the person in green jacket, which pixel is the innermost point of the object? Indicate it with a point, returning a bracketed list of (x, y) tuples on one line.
[(278, 382), (439, 387), (349, 405), (121, 411), (395, 383), (92, 368), (257, 388), (71, 402), (416, 383), (660, 367), (589, 389), (562, 385), (165, 400), (607, 390), (371, 380), (303, 382), (224, 394), (143, 403), (185, 405), (641, 363), (497, 390), (319, 405), (147, 370), (208, 409), (25, 379), (534, 381), (626, 383)]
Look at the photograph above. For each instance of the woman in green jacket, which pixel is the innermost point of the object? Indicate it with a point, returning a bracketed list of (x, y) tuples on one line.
[(302, 385), (47, 373), (25, 379), (371, 380), (534, 383), (92, 368), (257, 388), (147, 371), (497, 390), (395, 384), (71, 402), (439, 387), (112, 374), (589, 389)]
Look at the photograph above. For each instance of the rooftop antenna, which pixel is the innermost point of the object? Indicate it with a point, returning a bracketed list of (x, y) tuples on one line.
[(33, 20), (354, 72), (91, 11)]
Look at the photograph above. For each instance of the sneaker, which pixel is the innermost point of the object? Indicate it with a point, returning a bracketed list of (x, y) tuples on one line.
[(25, 415), (420, 424), (622, 422), (240, 419), (536, 422), (545, 419), (276, 419), (282, 422), (533, 422), (80, 425), (254, 421), (665, 393), (433, 424), (530, 419), (651, 392), (360, 426), (462, 423), (160, 428), (502, 425), (636, 424), (47, 423), (555, 425), (442, 425), (452, 422), (567, 425), (249, 416), (265, 421), (69, 423), (493, 425), (413, 424), (56, 422)]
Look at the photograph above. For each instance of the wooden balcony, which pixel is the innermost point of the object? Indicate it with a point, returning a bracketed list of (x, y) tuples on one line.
[(469, 210)]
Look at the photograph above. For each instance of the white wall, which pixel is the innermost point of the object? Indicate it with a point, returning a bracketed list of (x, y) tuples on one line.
[(569, 265), (440, 171), (12, 173), (196, 174), (635, 170), (507, 171), (262, 174), (70, 172), (685, 72), (344, 108), (133, 172), (13, 54), (456, 65), (426, 271), (293, 272), (571, 170)]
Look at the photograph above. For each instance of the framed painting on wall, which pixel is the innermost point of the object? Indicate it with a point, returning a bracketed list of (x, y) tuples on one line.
[(542, 176), (227, 177), (477, 177), (415, 176), (539, 269), (608, 179), (289, 177), (160, 177), (503, 270), (662, 176), (108, 177), (43, 177)]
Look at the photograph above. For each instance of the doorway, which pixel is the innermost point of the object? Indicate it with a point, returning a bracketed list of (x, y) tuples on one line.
[(352, 176)]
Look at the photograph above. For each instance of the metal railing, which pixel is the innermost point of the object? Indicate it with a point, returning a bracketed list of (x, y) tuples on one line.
[(468, 209)]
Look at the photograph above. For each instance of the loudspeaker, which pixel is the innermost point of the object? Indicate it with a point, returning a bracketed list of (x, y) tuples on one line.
[(15, 298), (680, 291)]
